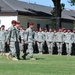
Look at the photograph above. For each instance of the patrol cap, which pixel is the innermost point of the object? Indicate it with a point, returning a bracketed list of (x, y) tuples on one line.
[(13, 21), (31, 23), (2, 25), (63, 29)]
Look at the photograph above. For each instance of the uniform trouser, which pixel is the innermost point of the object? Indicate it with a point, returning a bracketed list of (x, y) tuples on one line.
[(21, 44), (40, 46), (68, 48), (59, 46), (29, 50), (2, 46), (50, 47), (14, 48)]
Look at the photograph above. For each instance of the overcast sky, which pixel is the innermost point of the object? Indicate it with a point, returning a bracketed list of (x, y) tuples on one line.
[(50, 3)]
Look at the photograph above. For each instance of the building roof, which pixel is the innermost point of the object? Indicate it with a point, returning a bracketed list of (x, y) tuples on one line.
[(16, 5)]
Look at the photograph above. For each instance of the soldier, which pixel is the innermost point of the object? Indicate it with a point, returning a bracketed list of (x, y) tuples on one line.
[(30, 41), (35, 41), (59, 41), (13, 40), (68, 40), (54, 43), (17, 43), (49, 39), (7, 49), (45, 51), (21, 38), (40, 40), (2, 40), (64, 44), (73, 43), (73, 35), (25, 44)]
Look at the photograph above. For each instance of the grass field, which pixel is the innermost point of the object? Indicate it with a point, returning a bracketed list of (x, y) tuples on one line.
[(44, 65)]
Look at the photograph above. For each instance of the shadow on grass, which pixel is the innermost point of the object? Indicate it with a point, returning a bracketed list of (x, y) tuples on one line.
[(40, 58), (35, 59)]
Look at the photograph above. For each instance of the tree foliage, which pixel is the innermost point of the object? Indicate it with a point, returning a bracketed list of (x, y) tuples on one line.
[(72, 2)]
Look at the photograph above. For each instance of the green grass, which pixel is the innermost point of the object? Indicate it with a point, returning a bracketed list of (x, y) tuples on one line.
[(44, 65)]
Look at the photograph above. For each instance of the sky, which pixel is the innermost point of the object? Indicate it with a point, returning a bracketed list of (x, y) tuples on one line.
[(50, 3)]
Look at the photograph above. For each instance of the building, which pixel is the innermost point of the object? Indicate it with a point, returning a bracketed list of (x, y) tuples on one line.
[(27, 12)]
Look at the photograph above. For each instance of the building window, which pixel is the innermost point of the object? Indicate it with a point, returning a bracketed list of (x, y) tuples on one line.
[(38, 26)]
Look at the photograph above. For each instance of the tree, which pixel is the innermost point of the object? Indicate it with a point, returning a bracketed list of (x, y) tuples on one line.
[(72, 2), (58, 7)]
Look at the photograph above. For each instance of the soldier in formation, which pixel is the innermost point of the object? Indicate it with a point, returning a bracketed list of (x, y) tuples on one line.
[(30, 41)]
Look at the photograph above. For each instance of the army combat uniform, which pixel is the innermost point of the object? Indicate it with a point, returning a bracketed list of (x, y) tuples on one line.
[(40, 39), (29, 40), (49, 39), (59, 41), (68, 40), (2, 41), (21, 39), (13, 38)]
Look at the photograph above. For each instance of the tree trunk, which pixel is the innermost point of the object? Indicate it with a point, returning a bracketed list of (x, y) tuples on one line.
[(57, 6)]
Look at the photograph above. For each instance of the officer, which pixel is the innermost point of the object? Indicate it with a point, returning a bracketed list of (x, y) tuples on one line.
[(13, 40), (40, 40), (49, 39), (2, 40), (30, 41), (68, 40), (59, 41)]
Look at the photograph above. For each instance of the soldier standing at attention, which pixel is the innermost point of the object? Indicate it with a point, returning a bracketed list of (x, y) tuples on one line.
[(54, 42), (50, 36), (30, 41), (40, 40), (68, 40), (35, 41), (59, 41), (13, 40), (2, 40)]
